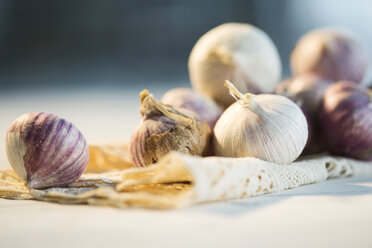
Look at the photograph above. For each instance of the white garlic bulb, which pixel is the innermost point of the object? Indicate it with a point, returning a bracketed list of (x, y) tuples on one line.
[(268, 127), (238, 52)]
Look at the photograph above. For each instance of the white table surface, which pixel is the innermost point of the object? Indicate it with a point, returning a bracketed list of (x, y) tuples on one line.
[(336, 213)]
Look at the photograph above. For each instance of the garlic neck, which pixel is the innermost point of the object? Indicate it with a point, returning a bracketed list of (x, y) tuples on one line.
[(245, 100), (149, 104)]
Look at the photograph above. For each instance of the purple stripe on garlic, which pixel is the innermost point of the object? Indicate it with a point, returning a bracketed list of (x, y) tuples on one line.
[(46, 150)]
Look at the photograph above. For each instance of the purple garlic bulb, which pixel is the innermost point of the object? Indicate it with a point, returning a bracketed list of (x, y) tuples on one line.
[(346, 120), (46, 150), (185, 98), (331, 53)]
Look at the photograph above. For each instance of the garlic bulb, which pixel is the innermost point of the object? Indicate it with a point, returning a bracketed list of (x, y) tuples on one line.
[(238, 52), (336, 54), (346, 120), (46, 150), (163, 129), (205, 107), (268, 127)]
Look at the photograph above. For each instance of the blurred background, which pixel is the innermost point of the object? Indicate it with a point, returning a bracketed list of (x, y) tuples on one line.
[(87, 60), (113, 43)]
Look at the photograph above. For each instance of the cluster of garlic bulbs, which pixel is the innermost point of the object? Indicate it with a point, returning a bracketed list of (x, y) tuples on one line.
[(269, 127), (48, 151)]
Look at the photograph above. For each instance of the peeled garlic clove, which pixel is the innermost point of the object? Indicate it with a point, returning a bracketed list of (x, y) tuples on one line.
[(184, 98), (331, 53), (346, 120), (46, 150), (238, 52), (268, 127), (163, 129)]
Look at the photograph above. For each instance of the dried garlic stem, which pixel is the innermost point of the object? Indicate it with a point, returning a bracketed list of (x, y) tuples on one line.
[(244, 100), (148, 102)]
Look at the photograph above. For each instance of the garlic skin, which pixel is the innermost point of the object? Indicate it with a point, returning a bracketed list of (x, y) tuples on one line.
[(164, 128), (238, 52), (346, 120), (185, 98), (336, 54), (268, 127), (46, 150)]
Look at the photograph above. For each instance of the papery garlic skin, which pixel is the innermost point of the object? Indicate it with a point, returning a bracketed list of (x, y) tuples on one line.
[(336, 54), (46, 150), (164, 128), (185, 98), (270, 127), (238, 52)]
